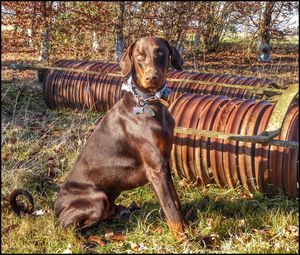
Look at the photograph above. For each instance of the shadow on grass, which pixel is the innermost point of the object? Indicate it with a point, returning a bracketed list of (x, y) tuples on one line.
[(151, 213)]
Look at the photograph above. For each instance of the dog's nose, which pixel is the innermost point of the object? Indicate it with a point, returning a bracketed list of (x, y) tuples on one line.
[(152, 78)]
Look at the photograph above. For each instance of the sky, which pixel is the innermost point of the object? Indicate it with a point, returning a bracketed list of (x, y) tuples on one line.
[(295, 19)]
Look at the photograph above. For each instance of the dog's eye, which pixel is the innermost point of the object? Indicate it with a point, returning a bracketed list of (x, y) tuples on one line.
[(139, 57), (159, 54)]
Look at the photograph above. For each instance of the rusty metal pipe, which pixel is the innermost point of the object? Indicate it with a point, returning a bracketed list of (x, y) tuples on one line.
[(268, 168), (70, 89)]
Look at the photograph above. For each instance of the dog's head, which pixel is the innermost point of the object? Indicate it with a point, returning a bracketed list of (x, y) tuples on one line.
[(148, 60)]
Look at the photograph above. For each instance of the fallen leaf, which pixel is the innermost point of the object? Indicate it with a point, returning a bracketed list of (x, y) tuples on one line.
[(112, 236), (53, 170), (117, 237), (97, 240), (12, 140), (5, 155)]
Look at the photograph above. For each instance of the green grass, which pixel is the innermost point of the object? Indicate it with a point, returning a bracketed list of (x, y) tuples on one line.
[(33, 135)]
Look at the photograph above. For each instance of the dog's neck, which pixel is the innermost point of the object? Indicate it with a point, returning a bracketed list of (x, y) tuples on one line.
[(143, 100), (130, 86)]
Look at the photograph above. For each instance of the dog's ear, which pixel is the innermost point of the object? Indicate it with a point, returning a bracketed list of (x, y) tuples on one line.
[(126, 60), (176, 59)]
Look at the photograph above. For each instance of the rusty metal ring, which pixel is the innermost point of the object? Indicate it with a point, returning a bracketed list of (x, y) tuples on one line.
[(176, 112), (186, 139), (251, 127), (216, 147), (80, 84), (238, 92), (211, 112), (202, 143), (72, 83), (97, 84), (223, 79), (276, 155), (101, 89), (242, 149), (261, 155), (93, 85), (180, 137), (113, 81), (219, 78), (230, 148), (191, 164), (290, 159), (194, 160), (205, 174), (52, 87)]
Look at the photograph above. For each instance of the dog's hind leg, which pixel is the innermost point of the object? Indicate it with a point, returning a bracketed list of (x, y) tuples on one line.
[(82, 210)]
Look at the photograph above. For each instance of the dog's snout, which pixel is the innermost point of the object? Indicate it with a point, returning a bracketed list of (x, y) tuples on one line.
[(152, 78)]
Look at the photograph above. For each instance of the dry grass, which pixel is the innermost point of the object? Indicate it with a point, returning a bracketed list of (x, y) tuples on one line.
[(36, 140)]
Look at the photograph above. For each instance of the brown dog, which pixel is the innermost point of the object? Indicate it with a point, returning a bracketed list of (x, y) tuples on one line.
[(130, 146)]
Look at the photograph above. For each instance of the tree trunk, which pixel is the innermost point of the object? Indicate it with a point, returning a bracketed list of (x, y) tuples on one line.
[(45, 43), (264, 36), (30, 36), (265, 24), (119, 33), (44, 53), (95, 42)]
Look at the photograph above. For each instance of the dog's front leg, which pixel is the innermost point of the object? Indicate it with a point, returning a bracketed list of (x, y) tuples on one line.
[(175, 197), (160, 178)]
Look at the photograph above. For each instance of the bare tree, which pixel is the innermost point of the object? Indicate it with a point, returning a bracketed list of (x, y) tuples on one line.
[(213, 23), (266, 20)]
